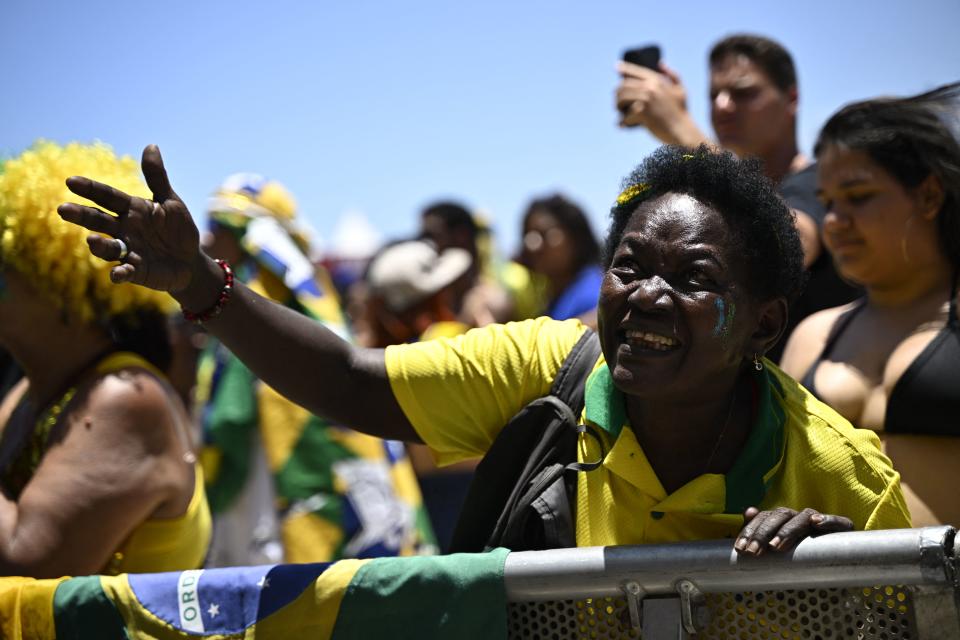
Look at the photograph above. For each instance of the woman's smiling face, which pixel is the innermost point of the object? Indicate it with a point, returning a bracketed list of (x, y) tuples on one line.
[(674, 310)]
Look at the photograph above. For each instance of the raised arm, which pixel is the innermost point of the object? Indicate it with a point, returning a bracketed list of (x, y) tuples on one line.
[(656, 100), (297, 356)]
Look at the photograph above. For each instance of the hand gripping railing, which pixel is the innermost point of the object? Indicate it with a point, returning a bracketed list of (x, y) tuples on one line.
[(890, 585)]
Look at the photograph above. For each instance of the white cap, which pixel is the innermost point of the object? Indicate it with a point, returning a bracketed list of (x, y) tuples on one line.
[(409, 272)]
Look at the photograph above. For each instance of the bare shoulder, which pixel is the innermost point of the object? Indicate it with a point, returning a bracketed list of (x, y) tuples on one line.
[(808, 340), (131, 384), (822, 321), (131, 425), (130, 403), (112, 464)]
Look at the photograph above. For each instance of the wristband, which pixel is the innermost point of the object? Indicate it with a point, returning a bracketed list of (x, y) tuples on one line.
[(222, 297)]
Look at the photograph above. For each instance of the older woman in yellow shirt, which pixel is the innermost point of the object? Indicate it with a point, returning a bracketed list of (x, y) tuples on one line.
[(702, 432)]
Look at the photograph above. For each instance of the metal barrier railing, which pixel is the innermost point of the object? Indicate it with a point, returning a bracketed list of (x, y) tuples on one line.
[(884, 585)]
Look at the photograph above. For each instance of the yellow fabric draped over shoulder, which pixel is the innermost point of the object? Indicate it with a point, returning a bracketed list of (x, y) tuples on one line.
[(162, 544)]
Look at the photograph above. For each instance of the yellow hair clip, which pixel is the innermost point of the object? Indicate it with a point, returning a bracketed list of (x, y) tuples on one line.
[(632, 192)]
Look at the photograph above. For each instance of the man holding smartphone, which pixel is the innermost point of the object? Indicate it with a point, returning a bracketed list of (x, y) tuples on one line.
[(753, 110)]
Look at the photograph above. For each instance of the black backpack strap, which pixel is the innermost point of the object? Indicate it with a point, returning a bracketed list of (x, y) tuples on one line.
[(570, 386), (571, 381), (589, 466), (531, 452), (549, 491)]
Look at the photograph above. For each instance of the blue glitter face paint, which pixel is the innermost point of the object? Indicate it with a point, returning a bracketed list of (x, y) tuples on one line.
[(728, 323), (721, 326), (725, 315)]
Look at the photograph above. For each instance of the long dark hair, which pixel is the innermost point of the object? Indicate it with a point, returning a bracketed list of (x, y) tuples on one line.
[(574, 221), (911, 138)]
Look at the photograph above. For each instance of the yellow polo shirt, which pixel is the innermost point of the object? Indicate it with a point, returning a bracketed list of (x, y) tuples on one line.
[(458, 393)]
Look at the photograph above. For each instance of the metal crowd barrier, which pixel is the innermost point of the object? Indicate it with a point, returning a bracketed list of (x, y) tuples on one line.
[(876, 585)]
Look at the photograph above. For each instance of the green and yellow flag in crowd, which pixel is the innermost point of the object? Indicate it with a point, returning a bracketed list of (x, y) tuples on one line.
[(341, 494), (456, 596)]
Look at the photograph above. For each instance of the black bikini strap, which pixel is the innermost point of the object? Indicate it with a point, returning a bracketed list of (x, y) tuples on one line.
[(952, 317), (839, 327)]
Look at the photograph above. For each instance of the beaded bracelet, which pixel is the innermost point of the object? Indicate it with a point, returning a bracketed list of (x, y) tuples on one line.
[(222, 298)]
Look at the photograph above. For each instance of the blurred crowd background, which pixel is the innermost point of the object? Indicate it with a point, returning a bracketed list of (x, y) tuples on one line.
[(399, 172), (370, 111)]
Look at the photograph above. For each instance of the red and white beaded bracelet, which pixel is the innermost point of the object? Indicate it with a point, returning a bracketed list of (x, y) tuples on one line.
[(222, 297)]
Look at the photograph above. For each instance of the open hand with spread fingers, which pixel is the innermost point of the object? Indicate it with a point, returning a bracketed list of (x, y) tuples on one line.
[(155, 241), (782, 528)]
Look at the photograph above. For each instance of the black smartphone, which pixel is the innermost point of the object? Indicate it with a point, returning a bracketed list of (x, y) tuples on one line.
[(648, 56)]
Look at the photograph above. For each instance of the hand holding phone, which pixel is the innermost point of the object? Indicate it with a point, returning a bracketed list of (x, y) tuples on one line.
[(647, 56), (634, 88), (654, 97)]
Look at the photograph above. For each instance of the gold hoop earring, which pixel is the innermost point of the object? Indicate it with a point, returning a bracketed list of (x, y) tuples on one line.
[(903, 240)]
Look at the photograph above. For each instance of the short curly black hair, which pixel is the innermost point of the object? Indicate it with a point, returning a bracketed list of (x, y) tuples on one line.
[(762, 224)]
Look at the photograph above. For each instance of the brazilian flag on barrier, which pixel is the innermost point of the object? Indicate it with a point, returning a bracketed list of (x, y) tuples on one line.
[(456, 596)]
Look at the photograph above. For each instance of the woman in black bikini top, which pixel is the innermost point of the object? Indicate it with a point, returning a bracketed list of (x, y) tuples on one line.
[(926, 397), (889, 174)]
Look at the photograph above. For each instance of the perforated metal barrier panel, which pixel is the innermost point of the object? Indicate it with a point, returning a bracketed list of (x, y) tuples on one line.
[(875, 613), (706, 590), (602, 618)]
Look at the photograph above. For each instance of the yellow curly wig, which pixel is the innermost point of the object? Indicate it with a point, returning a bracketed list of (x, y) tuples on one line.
[(52, 253)]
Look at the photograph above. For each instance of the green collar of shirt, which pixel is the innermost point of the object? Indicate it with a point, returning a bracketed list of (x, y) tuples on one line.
[(748, 479)]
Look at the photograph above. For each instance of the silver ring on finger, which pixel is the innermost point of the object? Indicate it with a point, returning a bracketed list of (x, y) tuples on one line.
[(124, 250)]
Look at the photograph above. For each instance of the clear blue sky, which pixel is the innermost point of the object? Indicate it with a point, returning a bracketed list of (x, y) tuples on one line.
[(381, 107)]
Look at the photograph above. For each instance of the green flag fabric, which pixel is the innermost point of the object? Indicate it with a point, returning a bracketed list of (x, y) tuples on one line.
[(455, 596), (340, 493)]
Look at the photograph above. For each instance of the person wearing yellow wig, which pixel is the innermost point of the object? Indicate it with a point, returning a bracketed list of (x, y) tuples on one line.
[(96, 468)]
